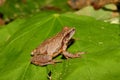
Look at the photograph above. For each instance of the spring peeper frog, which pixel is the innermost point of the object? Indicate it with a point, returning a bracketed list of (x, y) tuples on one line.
[(52, 47)]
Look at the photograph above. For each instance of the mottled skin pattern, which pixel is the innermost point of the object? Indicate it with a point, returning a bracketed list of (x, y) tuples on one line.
[(52, 47)]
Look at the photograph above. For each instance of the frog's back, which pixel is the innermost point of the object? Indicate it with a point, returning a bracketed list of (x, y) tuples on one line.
[(54, 46), (50, 46)]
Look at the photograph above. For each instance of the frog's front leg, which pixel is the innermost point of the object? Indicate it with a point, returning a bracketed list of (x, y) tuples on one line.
[(70, 55)]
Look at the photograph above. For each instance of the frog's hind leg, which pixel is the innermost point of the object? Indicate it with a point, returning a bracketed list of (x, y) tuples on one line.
[(70, 55), (50, 62), (54, 61), (44, 64)]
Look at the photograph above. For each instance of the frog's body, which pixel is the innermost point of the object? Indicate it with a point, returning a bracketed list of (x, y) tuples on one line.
[(52, 47)]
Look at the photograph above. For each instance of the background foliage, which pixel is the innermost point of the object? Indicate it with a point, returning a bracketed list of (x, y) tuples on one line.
[(100, 40)]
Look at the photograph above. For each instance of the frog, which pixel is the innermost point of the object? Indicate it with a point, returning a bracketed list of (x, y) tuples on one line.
[(45, 53)]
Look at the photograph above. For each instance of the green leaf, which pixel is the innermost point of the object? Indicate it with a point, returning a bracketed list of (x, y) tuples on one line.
[(98, 39), (8, 30)]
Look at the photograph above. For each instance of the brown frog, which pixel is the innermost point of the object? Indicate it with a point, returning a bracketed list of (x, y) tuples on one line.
[(52, 47)]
